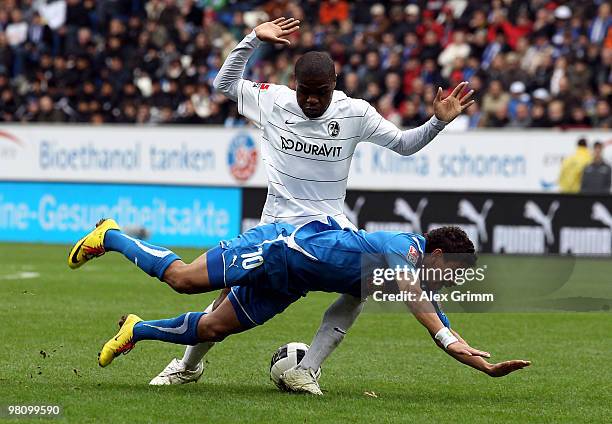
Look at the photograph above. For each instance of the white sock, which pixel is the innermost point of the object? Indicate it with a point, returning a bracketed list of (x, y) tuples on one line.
[(337, 320), (194, 354)]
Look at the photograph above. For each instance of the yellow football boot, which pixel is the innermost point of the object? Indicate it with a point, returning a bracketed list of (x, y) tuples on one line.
[(92, 245), (122, 343)]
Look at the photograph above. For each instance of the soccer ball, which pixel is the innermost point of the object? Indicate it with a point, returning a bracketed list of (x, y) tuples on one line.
[(285, 357)]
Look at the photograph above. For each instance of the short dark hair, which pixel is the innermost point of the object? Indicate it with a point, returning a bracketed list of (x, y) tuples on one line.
[(315, 64), (582, 142), (452, 240)]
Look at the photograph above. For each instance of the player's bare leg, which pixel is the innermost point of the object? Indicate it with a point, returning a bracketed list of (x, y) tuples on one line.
[(220, 323), (188, 278)]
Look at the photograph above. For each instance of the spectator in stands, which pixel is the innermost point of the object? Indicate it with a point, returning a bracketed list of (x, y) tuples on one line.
[(351, 85), (393, 89), (333, 11), (372, 71), (517, 97), (521, 118), (49, 112), (597, 176), (456, 49), (388, 111), (404, 21), (578, 118), (495, 100), (570, 177), (601, 24), (410, 115), (602, 115), (555, 115), (431, 46), (165, 50)]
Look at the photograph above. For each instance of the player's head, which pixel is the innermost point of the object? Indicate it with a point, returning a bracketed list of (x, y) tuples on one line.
[(315, 77), (447, 248)]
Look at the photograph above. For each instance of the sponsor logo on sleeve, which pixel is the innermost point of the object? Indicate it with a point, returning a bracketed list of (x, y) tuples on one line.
[(413, 255)]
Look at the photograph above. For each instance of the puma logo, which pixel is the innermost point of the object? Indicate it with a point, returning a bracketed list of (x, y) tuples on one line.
[(533, 212), (403, 209), (600, 213), (469, 212), (233, 261)]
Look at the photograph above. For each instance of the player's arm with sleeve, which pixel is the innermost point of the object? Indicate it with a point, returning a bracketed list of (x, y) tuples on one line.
[(401, 253), (255, 100), (435, 321), (378, 130)]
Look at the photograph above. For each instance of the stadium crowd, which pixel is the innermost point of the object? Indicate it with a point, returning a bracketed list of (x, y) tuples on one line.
[(533, 63)]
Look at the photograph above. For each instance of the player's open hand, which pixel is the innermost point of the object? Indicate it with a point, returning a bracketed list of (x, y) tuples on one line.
[(449, 108), (275, 31), (505, 368)]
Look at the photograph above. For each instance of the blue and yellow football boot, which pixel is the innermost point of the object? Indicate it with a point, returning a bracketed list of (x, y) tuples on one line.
[(92, 245), (122, 343)]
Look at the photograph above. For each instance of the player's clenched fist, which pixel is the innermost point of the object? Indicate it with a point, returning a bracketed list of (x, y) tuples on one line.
[(275, 31)]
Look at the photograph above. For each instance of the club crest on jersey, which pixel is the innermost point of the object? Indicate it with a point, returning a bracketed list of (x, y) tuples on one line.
[(413, 255), (333, 128), (242, 157), (261, 85)]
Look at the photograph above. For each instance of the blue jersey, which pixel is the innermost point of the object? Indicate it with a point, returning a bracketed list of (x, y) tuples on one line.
[(340, 259), (284, 262)]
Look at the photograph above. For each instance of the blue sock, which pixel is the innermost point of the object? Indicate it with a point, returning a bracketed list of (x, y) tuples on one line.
[(180, 330), (151, 259)]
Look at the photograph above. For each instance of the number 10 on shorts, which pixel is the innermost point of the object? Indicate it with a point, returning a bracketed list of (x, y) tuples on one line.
[(253, 259)]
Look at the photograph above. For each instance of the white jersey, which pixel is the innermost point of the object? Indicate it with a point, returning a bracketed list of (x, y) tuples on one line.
[(308, 160)]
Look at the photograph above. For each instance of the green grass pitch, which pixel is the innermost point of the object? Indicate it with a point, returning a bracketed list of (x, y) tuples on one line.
[(54, 321)]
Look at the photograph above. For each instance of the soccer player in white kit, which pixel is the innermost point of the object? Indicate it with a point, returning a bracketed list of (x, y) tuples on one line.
[(308, 139)]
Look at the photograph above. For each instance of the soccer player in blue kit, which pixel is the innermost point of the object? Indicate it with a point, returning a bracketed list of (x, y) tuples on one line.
[(271, 266)]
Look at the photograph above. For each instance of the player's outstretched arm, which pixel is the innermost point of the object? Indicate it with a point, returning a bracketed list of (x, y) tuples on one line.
[(480, 363), (425, 313), (470, 348), (445, 110), (231, 72)]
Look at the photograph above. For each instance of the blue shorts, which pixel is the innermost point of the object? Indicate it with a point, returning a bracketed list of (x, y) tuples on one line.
[(258, 291), (255, 305)]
